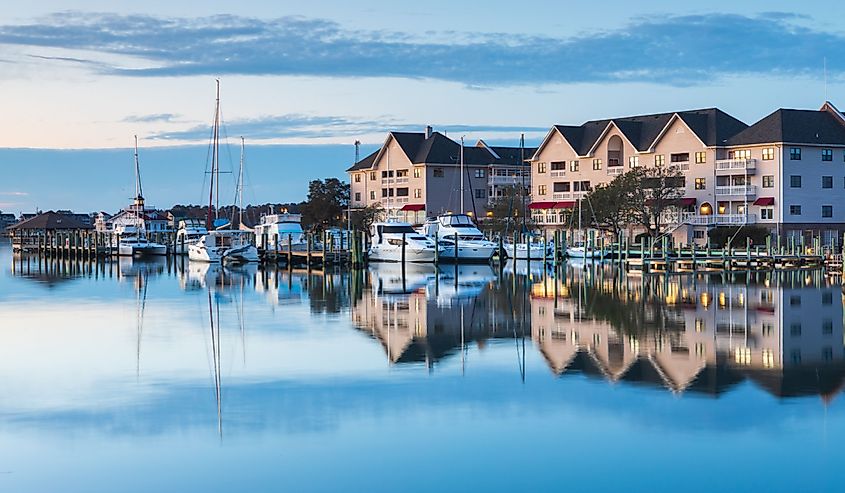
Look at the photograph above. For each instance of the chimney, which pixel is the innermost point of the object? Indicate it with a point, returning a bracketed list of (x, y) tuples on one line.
[(428, 131)]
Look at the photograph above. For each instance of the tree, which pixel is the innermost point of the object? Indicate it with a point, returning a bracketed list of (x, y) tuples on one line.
[(655, 197), (505, 213), (611, 203), (326, 204), (364, 218)]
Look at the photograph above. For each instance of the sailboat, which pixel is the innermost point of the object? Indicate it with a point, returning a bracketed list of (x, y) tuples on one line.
[(528, 249), (132, 238), (581, 249), (221, 244)]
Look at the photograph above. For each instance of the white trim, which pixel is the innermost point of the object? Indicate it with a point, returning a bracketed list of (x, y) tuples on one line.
[(489, 149), (601, 137), (546, 141), (674, 117)]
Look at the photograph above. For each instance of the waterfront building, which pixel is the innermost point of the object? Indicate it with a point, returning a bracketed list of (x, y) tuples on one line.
[(417, 174), (785, 172), (30, 233), (6, 220), (151, 219)]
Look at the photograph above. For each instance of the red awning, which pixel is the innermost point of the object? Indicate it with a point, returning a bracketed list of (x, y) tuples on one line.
[(569, 204), (413, 207), (541, 205), (765, 201), (687, 201)]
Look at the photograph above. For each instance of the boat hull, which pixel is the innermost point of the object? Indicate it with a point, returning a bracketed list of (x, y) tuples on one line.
[(468, 253), (141, 250), (585, 253), (425, 255)]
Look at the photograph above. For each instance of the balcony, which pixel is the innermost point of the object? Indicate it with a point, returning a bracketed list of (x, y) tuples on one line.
[(397, 181), (734, 190), (548, 219), (615, 170), (568, 195), (508, 180), (679, 165), (728, 166), (558, 173), (718, 219)]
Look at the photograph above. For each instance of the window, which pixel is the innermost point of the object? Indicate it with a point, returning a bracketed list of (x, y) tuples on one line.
[(700, 183), (558, 165), (827, 211), (767, 330), (796, 356), (387, 174), (795, 181), (541, 167), (634, 161), (795, 330), (561, 186), (827, 327), (357, 196), (827, 353), (679, 158), (402, 192), (372, 176), (480, 193), (768, 181), (417, 172), (574, 165), (795, 153), (794, 210), (700, 157), (768, 153), (581, 186), (767, 213), (541, 189), (437, 173), (827, 182), (596, 163), (740, 154), (827, 154), (827, 298), (659, 160), (357, 177), (698, 234), (795, 300), (479, 173), (401, 173), (372, 194), (417, 193), (387, 192)]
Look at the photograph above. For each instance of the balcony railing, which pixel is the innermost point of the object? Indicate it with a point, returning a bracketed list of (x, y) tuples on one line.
[(736, 165), (559, 173), (508, 180), (615, 170), (718, 219), (547, 219), (679, 165), (568, 195), (746, 190)]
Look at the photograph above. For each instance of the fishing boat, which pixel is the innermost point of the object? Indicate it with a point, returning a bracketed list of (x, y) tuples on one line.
[(472, 246), (131, 239), (389, 239), (222, 243), (280, 232)]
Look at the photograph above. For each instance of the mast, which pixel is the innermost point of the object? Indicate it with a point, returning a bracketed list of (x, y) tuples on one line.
[(462, 175), (241, 188), (215, 164), (139, 195), (522, 175)]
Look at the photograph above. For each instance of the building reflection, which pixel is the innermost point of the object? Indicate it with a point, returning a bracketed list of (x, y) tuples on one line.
[(695, 334)]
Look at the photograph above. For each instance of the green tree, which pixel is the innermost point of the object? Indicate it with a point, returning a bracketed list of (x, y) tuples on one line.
[(655, 197), (611, 203), (362, 219), (326, 204), (505, 213)]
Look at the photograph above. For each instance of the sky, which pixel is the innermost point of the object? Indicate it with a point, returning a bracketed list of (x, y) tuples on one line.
[(303, 80)]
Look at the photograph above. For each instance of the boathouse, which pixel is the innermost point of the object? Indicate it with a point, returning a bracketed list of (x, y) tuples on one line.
[(48, 229)]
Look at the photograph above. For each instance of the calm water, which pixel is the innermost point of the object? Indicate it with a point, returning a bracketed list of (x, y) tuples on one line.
[(156, 377)]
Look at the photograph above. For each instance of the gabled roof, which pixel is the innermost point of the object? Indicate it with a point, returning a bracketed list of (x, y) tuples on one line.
[(794, 126), (712, 126), (365, 163), (49, 221)]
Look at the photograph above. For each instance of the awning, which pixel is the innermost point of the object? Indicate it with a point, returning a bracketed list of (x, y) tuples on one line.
[(569, 204), (541, 205), (765, 201), (413, 207)]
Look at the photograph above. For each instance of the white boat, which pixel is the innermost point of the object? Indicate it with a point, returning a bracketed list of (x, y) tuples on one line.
[(189, 233), (132, 242), (280, 232), (472, 246), (386, 243), (531, 250), (226, 246), (581, 251)]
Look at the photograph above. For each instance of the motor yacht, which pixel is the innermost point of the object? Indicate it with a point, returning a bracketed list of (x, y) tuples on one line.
[(471, 244), (386, 243)]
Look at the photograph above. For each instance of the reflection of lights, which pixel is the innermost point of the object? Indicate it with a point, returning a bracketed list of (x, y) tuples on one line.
[(705, 300), (742, 355), (768, 358), (723, 300)]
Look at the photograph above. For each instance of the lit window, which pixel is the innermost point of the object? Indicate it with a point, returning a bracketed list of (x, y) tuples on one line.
[(740, 154), (827, 154), (768, 358), (768, 153), (596, 163), (417, 193), (417, 172), (659, 160), (541, 189), (633, 161), (700, 183), (700, 325), (541, 167), (768, 181), (700, 157)]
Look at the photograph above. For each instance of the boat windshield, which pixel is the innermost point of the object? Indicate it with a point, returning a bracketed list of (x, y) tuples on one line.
[(397, 229), (457, 221)]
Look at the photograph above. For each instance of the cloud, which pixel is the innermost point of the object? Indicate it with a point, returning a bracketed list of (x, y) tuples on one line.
[(310, 126), (670, 50), (15, 194), (155, 117)]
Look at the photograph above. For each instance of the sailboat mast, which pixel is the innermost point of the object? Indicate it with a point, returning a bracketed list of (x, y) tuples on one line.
[(208, 217), (217, 151), (241, 187), (462, 176), (522, 175), (139, 207)]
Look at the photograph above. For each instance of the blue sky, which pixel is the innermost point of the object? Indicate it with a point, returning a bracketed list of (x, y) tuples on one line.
[(88, 75)]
